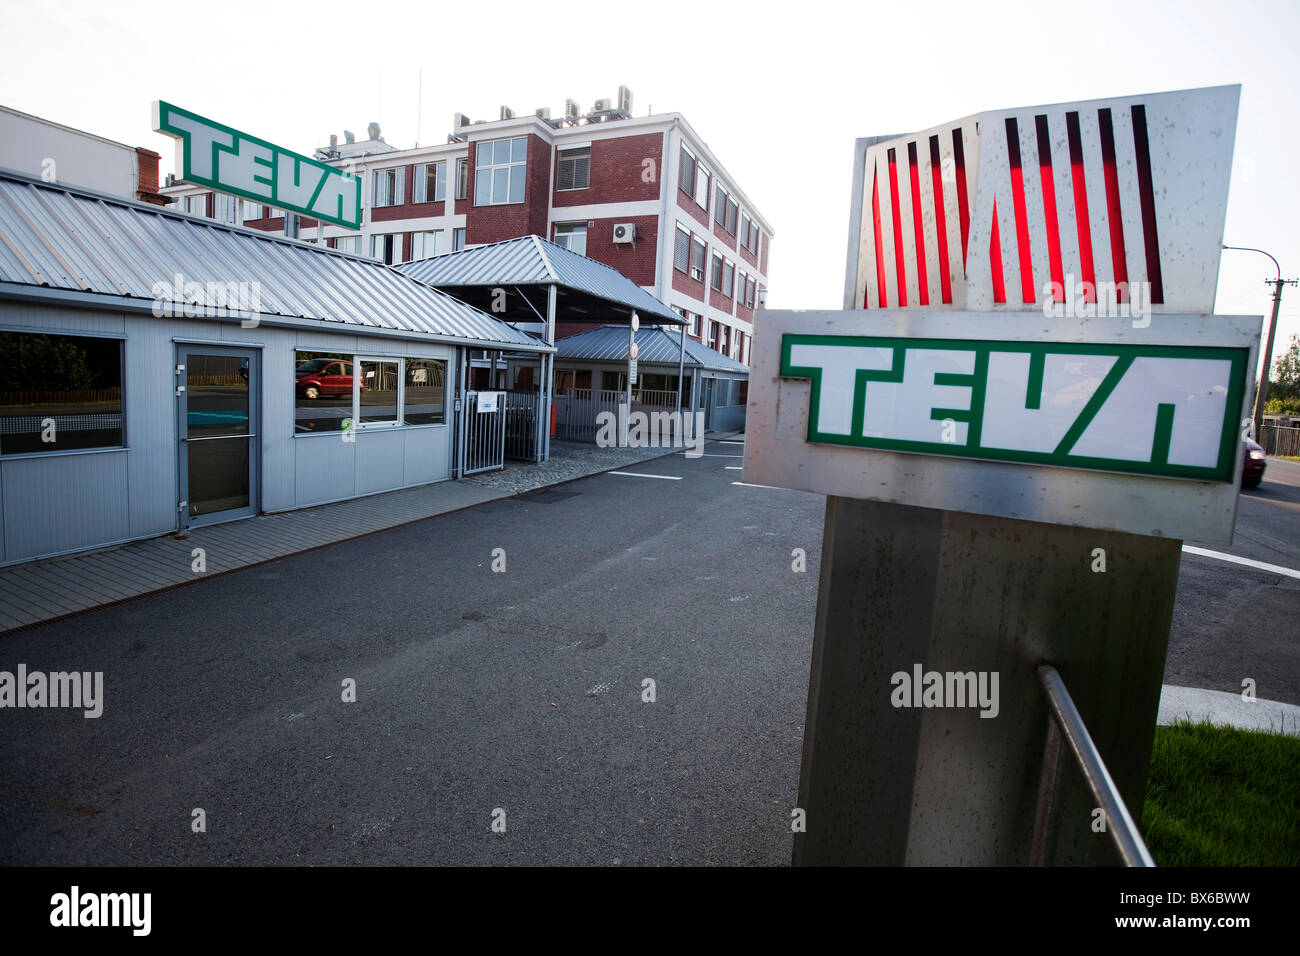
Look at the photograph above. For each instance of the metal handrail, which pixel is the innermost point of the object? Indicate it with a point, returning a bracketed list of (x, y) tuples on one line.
[(1067, 723)]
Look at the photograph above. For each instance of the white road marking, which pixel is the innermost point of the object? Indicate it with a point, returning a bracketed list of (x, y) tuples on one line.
[(729, 441), (634, 474), (746, 484), (707, 455), (1233, 559), (732, 468)]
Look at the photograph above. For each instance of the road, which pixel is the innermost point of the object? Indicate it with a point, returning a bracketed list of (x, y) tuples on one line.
[(519, 690)]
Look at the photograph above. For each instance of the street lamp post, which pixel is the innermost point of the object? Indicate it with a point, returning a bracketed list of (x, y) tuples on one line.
[(1262, 395)]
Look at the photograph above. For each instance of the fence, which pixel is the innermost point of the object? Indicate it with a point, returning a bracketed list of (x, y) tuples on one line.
[(579, 409), (522, 411), (1280, 440), (485, 434)]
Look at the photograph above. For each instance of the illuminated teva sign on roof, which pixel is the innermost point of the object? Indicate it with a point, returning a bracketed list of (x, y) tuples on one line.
[(211, 154)]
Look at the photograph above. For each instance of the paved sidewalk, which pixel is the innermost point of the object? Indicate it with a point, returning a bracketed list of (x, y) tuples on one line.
[(42, 591), (1180, 704)]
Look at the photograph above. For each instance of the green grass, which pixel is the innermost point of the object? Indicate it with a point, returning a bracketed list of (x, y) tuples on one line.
[(1219, 796)]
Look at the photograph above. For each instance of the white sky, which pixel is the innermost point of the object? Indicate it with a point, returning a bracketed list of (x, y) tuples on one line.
[(778, 90)]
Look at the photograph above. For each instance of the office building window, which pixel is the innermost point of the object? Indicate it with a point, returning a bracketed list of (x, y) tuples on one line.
[(702, 189), (686, 172), (499, 170), (699, 254), (682, 250), (59, 392), (386, 247), (458, 239), (388, 186), (716, 280), (728, 278), (462, 177), (733, 211), (223, 209), (720, 207), (350, 244), (197, 205), (250, 210), (431, 182), (572, 236), (573, 170), (426, 244)]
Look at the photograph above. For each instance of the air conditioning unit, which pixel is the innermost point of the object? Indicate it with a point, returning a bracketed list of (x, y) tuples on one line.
[(571, 110), (624, 232), (625, 100), (507, 113), (544, 113), (602, 106)]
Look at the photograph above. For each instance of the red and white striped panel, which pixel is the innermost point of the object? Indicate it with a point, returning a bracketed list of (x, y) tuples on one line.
[(1002, 210)]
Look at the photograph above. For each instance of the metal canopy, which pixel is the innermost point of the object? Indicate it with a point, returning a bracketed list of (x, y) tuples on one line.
[(656, 346), (68, 244), (586, 290)]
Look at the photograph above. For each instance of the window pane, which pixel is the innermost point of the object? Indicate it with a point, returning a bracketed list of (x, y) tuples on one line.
[(519, 149), (424, 392), (500, 184), (681, 251), (421, 184), (322, 391), (482, 187), (517, 183), (484, 155), (462, 178), (59, 392), (440, 182), (378, 391)]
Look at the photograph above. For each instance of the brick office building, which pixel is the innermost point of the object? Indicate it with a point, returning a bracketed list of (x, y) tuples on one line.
[(642, 194)]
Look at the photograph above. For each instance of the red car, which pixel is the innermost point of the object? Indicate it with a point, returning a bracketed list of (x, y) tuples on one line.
[(323, 376), (1252, 468)]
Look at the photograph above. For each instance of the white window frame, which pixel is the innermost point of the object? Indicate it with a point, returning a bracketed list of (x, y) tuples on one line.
[(422, 182), (572, 229), (393, 179), (560, 159), (511, 165)]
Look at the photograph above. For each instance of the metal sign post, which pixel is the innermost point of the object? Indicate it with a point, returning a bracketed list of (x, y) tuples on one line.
[(1011, 461)]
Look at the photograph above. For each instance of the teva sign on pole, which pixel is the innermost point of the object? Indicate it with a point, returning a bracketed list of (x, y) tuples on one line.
[(215, 155), (1029, 343), (1074, 422), (1023, 409)]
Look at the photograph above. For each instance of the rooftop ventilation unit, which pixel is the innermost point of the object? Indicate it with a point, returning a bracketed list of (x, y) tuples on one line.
[(349, 136), (602, 106), (571, 111), (460, 120), (543, 114), (507, 113), (373, 130), (625, 101)]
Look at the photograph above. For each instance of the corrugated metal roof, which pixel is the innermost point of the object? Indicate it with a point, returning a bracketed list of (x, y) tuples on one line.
[(655, 346), (59, 238), (532, 260)]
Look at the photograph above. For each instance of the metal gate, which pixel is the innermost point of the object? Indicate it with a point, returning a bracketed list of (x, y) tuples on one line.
[(485, 431), (521, 434)]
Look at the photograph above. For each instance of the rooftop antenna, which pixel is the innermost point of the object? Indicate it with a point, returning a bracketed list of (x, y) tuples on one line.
[(419, 108)]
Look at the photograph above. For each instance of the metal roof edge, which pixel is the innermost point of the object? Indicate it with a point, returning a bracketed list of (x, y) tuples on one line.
[(17, 292)]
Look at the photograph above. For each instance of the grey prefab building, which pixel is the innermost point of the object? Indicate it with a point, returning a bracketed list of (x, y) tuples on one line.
[(159, 371)]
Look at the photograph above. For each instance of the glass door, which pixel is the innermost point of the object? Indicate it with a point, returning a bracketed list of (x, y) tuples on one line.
[(216, 395)]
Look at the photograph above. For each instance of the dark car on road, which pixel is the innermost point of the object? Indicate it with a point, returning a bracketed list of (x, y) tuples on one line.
[(319, 377), (1252, 469)]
